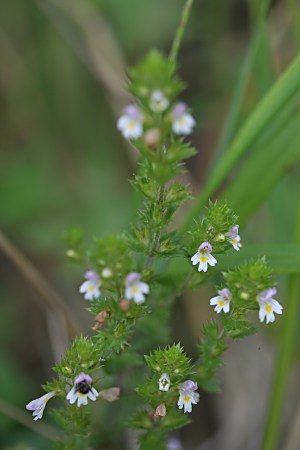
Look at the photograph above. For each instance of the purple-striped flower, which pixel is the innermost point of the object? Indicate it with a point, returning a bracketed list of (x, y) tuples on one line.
[(203, 257), (90, 287), (135, 288), (82, 390), (188, 396), (182, 121), (131, 122), (234, 238), (38, 405), (222, 301), (268, 305)]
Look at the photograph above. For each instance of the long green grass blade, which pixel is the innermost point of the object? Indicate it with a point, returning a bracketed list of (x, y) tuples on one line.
[(286, 343), (278, 97), (263, 169)]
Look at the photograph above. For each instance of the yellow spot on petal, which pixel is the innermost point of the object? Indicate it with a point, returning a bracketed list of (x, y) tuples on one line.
[(268, 308), (203, 259), (221, 303), (135, 290), (186, 399), (90, 288), (130, 124)]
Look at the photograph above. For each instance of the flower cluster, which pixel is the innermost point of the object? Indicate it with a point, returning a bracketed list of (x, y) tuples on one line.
[(81, 391), (154, 123), (131, 123), (187, 392), (203, 256), (135, 289), (267, 304)]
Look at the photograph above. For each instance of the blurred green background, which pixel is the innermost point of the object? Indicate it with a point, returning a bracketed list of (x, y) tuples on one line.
[(63, 163)]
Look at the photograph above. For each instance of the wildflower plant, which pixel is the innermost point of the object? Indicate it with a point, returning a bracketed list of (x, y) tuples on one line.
[(130, 358)]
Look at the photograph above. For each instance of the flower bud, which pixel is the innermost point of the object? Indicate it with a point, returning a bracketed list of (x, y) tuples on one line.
[(124, 305), (152, 137)]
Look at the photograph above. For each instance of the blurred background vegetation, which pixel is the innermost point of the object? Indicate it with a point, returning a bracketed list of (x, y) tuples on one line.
[(63, 163)]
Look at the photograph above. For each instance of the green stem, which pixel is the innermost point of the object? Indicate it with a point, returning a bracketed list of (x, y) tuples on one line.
[(156, 238), (180, 30), (286, 341)]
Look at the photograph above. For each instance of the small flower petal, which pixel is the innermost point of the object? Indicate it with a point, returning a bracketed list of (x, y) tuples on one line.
[(38, 405)]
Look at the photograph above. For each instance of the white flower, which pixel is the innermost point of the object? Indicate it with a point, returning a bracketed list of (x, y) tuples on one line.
[(131, 122), (135, 288), (222, 301), (158, 101), (188, 396), (234, 238), (90, 288), (203, 257), (268, 305), (164, 382), (182, 121), (82, 390), (38, 405)]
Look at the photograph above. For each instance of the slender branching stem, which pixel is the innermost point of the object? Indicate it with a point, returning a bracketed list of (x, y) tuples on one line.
[(180, 30)]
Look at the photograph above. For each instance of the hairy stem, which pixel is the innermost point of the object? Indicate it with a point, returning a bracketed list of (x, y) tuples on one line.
[(156, 238)]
